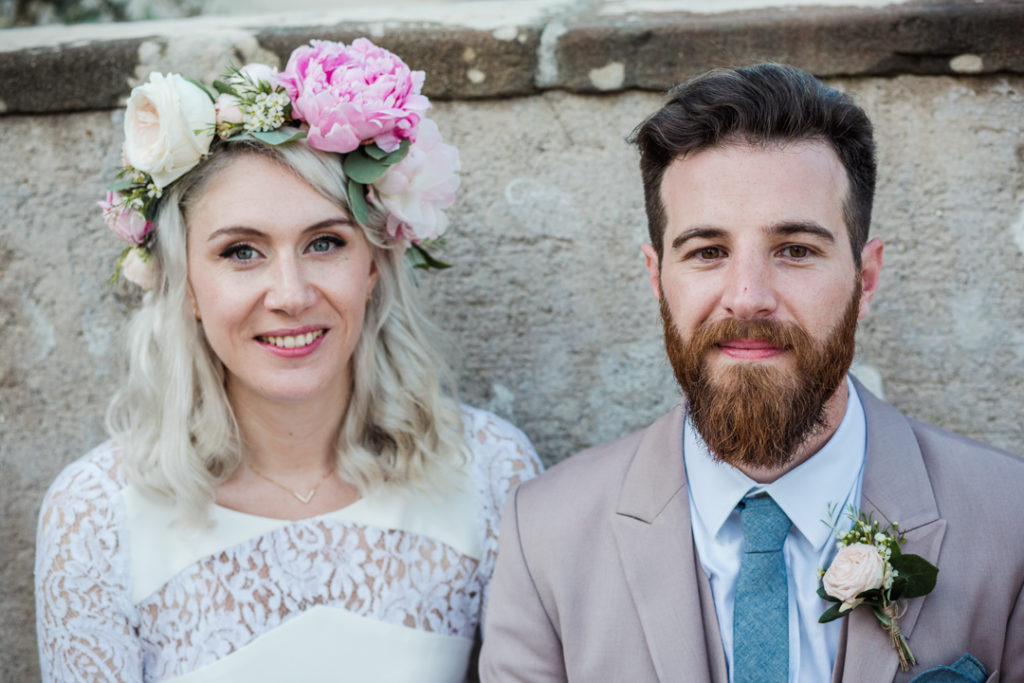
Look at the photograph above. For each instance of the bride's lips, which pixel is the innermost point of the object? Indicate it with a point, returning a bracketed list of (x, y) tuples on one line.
[(749, 349), (293, 343)]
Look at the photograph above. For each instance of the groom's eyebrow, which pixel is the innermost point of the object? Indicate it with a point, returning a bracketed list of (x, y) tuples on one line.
[(698, 232)]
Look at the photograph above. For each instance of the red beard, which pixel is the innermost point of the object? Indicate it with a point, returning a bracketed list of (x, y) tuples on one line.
[(754, 415)]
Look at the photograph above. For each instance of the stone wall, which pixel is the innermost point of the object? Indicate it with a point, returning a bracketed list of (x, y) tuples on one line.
[(550, 318)]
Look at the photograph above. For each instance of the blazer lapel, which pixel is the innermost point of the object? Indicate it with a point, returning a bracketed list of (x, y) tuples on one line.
[(896, 488), (655, 545)]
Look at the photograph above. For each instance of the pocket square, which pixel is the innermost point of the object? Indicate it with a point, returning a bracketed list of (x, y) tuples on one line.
[(967, 669)]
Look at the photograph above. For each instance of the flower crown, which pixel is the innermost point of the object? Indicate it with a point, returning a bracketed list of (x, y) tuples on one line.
[(360, 102)]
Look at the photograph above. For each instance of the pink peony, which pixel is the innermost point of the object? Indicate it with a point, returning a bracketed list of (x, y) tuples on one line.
[(129, 225), (417, 190), (353, 95), (857, 568)]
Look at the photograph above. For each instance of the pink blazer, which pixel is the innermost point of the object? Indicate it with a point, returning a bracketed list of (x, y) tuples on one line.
[(597, 577)]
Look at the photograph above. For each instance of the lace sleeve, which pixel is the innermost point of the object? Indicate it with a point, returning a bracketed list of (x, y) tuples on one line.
[(504, 458), (84, 615)]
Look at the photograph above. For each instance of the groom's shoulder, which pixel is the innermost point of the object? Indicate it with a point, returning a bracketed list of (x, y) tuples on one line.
[(592, 468), (582, 484), (961, 460)]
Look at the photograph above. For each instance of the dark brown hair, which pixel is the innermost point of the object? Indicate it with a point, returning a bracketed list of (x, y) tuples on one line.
[(762, 104)]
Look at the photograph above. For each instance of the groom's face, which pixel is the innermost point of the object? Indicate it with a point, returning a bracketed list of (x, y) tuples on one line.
[(759, 293)]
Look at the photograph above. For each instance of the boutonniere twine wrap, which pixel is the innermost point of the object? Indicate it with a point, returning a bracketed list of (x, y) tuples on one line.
[(360, 102), (871, 571)]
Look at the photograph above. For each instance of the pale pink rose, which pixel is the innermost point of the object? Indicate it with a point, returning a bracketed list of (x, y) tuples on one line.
[(353, 95), (416, 191), (138, 267), (130, 226), (168, 127), (857, 568), (227, 110)]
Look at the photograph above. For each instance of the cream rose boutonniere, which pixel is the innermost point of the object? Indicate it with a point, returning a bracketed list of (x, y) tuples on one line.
[(870, 569), (168, 127)]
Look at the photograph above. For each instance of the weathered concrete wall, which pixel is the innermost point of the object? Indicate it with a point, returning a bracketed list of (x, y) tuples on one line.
[(550, 317)]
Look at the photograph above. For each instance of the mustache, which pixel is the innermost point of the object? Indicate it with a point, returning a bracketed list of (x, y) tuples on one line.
[(787, 336)]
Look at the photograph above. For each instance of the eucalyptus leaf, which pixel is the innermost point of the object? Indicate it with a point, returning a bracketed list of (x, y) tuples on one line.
[(279, 136), (122, 185), (428, 261), (362, 168), (399, 154), (916, 574), (415, 258), (375, 152), (832, 613), (357, 202), (201, 87)]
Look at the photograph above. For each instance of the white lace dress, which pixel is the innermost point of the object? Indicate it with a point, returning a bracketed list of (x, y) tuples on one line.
[(390, 588)]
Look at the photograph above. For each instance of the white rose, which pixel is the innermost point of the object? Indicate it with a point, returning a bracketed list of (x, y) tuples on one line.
[(168, 127), (138, 267), (857, 568)]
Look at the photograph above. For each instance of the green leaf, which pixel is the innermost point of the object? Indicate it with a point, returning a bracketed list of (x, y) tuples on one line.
[(362, 168), (225, 88), (421, 258), (832, 613), (201, 87), (917, 576), (881, 616), (120, 260), (122, 185), (279, 136), (825, 596), (375, 152), (399, 154), (357, 202)]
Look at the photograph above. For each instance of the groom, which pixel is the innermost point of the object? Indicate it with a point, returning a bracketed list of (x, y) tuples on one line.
[(690, 551)]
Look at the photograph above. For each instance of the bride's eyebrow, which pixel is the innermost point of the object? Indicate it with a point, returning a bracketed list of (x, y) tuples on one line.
[(246, 231)]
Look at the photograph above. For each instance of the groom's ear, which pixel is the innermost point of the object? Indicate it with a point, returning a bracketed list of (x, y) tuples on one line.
[(653, 268)]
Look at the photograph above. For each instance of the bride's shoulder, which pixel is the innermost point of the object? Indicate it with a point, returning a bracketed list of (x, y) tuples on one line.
[(96, 475), (499, 449)]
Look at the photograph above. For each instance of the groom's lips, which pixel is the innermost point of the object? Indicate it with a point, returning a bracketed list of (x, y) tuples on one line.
[(749, 349)]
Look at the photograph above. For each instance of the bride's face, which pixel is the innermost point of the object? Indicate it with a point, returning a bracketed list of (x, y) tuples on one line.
[(279, 277)]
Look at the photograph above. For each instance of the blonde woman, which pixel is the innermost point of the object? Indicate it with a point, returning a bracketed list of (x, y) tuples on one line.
[(288, 494)]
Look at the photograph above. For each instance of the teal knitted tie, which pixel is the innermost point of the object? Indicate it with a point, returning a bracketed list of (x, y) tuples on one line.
[(760, 626)]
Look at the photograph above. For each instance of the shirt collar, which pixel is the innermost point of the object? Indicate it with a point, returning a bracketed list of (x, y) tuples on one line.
[(804, 493)]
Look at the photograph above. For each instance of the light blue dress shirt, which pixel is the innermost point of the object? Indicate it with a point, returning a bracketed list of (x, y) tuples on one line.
[(831, 477)]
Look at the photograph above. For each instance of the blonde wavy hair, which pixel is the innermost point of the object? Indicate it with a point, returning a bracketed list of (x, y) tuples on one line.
[(172, 419)]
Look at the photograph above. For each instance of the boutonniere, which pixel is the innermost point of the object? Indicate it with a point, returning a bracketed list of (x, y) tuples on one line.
[(871, 570)]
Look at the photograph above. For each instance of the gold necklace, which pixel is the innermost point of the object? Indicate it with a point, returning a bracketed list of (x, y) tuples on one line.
[(302, 497)]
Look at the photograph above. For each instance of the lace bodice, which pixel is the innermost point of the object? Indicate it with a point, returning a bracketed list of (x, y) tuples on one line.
[(121, 598)]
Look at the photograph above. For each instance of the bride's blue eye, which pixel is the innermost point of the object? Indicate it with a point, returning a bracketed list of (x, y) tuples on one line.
[(322, 245), (239, 252)]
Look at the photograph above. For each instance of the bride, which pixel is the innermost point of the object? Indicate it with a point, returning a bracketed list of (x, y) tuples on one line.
[(287, 493)]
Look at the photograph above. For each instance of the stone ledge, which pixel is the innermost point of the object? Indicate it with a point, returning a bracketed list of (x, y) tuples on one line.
[(601, 52), (483, 50)]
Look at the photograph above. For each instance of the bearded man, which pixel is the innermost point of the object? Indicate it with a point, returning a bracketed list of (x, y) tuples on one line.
[(691, 550)]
